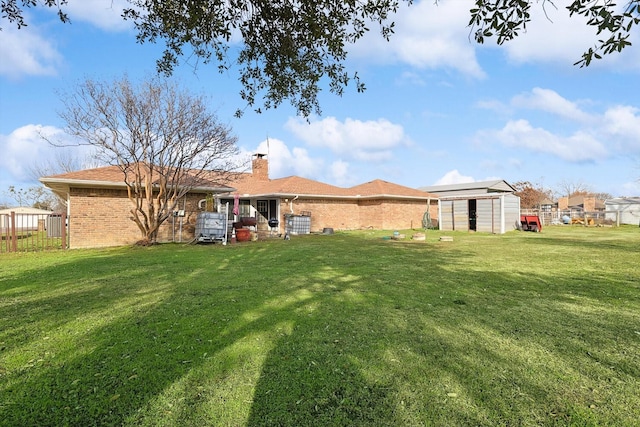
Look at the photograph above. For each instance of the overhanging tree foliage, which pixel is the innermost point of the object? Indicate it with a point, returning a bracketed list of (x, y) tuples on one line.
[(165, 141), (505, 19), (286, 49)]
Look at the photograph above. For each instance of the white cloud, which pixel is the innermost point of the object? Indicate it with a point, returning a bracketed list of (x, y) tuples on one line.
[(433, 36), (27, 52), (551, 35), (427, 36), (495, 106), (630, 189), (623, 123), (551, 102), (365, 141), (554, 36), (410, 78), (592, 135), (104, 14), (26, 148), (285, 162), (579, 147), (22, 147), (454, 177), (339, 171)]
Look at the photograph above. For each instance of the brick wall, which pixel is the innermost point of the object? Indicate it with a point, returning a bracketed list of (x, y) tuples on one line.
[(589, 204), (260, 167), (361, 214), (101, 217), (563, 203)]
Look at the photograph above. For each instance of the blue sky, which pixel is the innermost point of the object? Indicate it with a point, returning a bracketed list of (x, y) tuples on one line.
[(438, 108)]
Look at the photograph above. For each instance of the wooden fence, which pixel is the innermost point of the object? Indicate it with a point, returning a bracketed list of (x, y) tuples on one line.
[(23, 232)]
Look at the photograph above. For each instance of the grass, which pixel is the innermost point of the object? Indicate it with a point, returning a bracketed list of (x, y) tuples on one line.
[(349, 329)]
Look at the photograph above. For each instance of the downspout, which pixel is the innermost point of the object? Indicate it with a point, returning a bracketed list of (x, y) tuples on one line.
[(291, 204), (67, 224)]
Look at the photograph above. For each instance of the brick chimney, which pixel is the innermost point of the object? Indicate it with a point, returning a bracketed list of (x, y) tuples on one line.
[(260, 167)]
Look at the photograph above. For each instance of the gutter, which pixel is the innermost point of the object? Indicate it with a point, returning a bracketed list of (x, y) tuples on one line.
[(80, 183), (333, 196)]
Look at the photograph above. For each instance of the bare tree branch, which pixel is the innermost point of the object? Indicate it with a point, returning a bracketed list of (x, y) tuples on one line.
[(164, 140)]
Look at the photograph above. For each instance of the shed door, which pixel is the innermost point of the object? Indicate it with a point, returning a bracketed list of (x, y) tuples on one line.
[(446, 215), (487, 215), (472, 214), (461, 215)]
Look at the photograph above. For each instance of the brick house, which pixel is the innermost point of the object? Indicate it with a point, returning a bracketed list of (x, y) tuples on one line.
[(98, 205), (581, 203), (98, 208)]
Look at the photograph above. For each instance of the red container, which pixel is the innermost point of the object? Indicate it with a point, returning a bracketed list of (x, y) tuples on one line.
[(243, 234)]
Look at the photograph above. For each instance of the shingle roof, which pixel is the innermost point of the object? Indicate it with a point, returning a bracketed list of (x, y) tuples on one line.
[(110, 177), (101, 174), (248, 184), (379, 187), (298, 186), (290, 186)]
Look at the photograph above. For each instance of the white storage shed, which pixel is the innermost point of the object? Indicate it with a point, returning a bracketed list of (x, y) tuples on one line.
[(27, 219), (627, 208), (484, 206)]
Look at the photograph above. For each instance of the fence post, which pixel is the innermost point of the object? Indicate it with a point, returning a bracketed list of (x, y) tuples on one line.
[(14, 237)]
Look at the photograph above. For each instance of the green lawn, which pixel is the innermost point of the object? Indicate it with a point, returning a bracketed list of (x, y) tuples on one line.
[(522, 329)]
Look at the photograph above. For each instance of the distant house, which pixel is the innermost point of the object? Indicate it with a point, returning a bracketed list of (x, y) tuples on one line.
[(581, 203), (547, 205), (627, 208), (26, 219), (98, 206), (485, 206)]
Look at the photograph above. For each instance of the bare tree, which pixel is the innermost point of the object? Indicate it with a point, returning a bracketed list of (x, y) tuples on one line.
[(34, 197), (573, 188), (602, 196), (62, 162), (164, 139)]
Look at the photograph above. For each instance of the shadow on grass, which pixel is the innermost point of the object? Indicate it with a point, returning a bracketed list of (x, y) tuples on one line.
[(308, 332)]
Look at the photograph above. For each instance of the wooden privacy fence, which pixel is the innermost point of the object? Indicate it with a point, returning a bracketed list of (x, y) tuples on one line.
[(24, 232)]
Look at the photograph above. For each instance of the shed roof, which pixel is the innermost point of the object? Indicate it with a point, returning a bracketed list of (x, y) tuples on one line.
[(623, 201), (26, 210), (471, 188)]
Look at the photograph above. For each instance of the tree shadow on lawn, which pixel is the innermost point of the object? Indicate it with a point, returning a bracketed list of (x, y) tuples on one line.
[(323, 340), (450, 354)]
